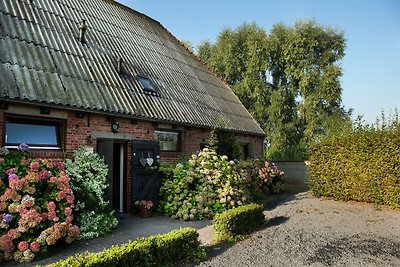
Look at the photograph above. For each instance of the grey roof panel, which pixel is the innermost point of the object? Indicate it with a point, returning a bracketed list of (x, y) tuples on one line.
[(43, 61)]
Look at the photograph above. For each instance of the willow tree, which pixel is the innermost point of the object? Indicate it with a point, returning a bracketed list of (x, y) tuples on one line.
[(239, 56), (289, 80)]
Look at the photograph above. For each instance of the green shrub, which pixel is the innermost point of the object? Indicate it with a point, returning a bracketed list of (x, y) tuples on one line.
[(159, 250), (88, 173), (363, 165), (238, 221), (204, 185)]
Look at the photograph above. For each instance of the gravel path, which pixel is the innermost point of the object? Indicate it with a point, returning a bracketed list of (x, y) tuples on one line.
[(307, 231)]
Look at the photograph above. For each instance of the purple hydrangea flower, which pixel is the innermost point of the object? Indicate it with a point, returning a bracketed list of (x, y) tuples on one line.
[(236, 161), (23, 147), (7, 218), (12, 176)]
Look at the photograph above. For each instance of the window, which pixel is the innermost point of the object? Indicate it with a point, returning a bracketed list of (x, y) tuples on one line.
[(34, 132), (169, 141), (146, 83), (245, 150)]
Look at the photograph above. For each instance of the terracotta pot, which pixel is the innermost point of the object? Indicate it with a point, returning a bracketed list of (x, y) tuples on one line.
[(144, 213)]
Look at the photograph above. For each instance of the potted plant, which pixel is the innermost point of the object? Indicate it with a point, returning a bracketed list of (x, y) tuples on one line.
[(145, 208)]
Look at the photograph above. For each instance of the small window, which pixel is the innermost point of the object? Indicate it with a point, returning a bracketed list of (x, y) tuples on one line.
[(39, 134), (169, 141), (146, 83)]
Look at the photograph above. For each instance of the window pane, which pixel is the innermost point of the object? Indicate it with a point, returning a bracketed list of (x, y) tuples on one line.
[(31, 134), (168, 140), (146, 83)]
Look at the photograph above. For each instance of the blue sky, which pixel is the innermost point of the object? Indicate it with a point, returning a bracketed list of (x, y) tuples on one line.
[(371, 79)]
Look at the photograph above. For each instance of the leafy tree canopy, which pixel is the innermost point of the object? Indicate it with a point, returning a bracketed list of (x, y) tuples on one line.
[(288, 79)]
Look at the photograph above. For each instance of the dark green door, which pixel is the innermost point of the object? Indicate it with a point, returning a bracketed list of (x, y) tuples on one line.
[(145, 183)]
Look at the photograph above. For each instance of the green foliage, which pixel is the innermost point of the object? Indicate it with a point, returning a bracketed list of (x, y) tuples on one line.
[(88, 174), (297, 152), (362, 165), (224, 142), (288, 80), (159, 250), (239, 57), (238, 221), (199, 188)]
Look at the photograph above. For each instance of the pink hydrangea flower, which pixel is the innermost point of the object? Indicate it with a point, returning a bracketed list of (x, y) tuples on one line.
[(44, 175), (44, 216), (24, 162), (35, 165), (61, 195), (6, 244), (13, 233), (10, 171), (52, 216), (70, 199), (69, 219), (23, 245), (51, 206), (29, 219), (68, 211), (35, 246), (3, 206)]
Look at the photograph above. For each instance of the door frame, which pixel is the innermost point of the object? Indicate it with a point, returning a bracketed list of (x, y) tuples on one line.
[(123, 143)]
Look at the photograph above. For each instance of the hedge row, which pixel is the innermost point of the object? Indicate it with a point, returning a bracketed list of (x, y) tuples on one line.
[(238, 221), (158, 250), (363, 165)]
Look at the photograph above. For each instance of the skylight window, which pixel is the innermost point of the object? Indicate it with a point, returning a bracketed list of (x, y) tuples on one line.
[(146, 83)]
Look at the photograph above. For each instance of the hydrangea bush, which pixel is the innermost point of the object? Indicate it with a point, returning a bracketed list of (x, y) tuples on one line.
[(88, 173), (263, 178), (207, 184), (36, 205), (202, 186)]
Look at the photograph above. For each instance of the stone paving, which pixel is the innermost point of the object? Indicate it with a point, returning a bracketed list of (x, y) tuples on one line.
[(129, 228)]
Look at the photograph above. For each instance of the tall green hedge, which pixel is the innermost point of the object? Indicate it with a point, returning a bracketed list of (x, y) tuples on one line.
[(159, 250), (363, 165)]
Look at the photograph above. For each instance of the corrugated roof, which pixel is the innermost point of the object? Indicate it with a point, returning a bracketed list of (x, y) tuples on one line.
[(42, 61)]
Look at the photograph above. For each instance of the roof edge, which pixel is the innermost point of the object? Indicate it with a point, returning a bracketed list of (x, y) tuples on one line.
[(127, 116)]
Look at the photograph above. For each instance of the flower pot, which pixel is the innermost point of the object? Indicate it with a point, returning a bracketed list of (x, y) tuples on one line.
[(144, 213)]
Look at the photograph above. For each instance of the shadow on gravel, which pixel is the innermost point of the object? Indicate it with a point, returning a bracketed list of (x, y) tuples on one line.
[(291, 192), (277, 221), (382, 250), (217, 249)]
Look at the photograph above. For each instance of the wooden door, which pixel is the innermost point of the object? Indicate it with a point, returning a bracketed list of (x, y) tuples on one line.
[(146, 183)]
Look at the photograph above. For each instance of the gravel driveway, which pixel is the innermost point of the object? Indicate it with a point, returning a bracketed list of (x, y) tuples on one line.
[(307, 231)]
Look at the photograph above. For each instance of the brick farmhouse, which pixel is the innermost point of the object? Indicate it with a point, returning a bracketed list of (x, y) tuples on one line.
[(99, 74)]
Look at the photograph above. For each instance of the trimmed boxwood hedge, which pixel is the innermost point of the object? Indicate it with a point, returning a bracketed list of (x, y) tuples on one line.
[(363, 165), (158, 250), (238, 221)]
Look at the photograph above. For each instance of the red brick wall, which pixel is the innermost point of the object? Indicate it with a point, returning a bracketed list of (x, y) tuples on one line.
[(77, 132)]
